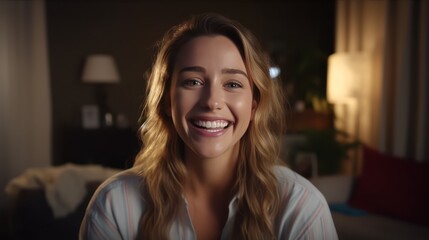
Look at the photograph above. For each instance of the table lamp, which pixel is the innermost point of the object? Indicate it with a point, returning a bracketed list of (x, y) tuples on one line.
[(346, 78), (101, 70)]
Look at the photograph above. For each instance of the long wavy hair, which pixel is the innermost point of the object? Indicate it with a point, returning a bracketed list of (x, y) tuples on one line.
[(160, 162)]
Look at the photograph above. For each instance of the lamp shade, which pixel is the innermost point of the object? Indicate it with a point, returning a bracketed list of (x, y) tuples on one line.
[(347, 74), (100, 68)]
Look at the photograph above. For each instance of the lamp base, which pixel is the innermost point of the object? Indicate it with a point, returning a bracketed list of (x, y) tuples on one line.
[(105, 115), (107, 119)]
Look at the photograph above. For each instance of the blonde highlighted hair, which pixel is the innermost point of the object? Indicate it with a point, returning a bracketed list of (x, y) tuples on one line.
[(160, 162)]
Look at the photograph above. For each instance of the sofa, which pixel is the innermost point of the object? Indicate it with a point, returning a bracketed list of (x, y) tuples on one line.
[(388, 200), (50, 203), (31, 217)]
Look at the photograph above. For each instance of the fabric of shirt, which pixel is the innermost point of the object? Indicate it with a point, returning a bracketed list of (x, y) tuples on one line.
[(115, 210)]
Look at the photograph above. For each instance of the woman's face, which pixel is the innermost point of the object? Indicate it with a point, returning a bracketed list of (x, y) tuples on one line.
[(211, 97)]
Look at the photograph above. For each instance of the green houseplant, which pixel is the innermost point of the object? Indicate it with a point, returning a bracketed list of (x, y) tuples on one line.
[(330, 147)]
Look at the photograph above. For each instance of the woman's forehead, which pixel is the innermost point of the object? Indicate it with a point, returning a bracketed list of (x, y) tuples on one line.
[(209, 51)]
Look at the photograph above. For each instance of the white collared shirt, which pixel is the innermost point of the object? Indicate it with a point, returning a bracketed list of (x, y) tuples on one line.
[(115, 210)]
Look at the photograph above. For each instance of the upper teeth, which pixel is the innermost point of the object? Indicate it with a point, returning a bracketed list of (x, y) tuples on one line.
[(211, 124)]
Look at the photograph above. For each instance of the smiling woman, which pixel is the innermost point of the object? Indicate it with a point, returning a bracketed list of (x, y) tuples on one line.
[(210, 165)]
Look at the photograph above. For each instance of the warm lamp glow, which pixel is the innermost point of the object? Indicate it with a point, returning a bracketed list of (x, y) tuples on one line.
[(346, 73), (100, 68), (348, 78)]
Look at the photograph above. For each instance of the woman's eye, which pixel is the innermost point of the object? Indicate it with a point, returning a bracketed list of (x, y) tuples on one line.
[(233, 85), (192, 83)]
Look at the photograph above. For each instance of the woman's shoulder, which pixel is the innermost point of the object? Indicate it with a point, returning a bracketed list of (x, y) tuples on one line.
[(115, 208), (120, 179), (303, 211), (294, 185), (127, 183)]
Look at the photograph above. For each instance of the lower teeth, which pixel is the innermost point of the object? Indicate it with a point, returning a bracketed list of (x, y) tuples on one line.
[(213, 130)]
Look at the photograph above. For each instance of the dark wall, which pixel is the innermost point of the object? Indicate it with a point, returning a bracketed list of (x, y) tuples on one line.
[(129, 29)]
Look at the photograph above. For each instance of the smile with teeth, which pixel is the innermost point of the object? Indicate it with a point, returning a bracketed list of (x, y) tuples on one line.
[(211, 126)]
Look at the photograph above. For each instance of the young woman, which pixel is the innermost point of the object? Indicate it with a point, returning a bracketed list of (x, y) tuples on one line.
[(209, 168)]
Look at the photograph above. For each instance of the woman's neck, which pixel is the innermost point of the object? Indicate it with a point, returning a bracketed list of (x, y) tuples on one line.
[(208, 189), (213, 177)]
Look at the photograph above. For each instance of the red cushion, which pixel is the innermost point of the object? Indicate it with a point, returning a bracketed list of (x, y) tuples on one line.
[(393, 186)]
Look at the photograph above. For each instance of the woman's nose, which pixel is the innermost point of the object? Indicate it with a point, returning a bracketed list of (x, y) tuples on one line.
[(212, 98)]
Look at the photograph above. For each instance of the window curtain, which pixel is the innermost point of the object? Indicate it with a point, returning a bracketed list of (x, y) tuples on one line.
[(25, 111), (394, 104)]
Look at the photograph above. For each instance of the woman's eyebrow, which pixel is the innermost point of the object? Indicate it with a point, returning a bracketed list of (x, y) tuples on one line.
[(203, 70), (193, 69), (234, 71)]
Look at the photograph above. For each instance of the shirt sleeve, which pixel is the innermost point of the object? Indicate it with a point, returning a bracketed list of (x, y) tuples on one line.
[(304, 213), (320, 226), (114, 211), (98, 224)]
